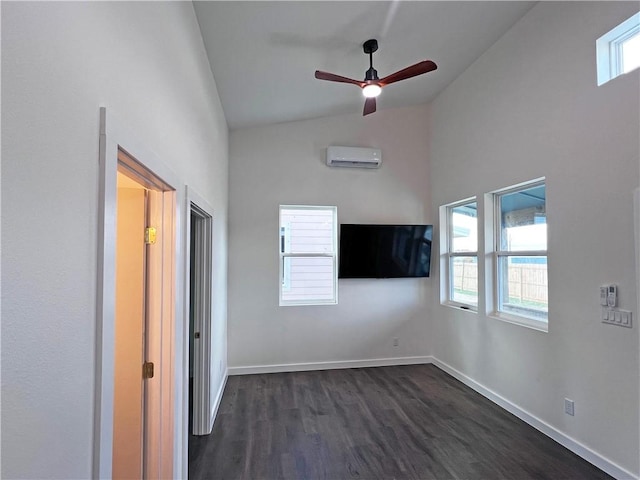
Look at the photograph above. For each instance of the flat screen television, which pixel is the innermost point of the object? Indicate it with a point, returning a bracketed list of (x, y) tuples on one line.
[(384, 251)]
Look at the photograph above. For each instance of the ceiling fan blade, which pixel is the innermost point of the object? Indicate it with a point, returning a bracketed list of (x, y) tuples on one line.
[(369, 106), (337, 78), (412, 71)]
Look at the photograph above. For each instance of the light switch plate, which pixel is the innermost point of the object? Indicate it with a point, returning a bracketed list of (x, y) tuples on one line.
[(614, 316)]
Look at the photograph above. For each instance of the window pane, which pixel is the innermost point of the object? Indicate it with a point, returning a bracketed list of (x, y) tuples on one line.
[(464, 228), (309, 234), (631, 53), (523, 220), (308, 279), (306, 230), (523, 286), (464, 280), (618, 50)]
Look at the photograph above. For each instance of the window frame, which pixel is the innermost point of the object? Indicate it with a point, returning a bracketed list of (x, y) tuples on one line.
[(498, 254), (609, 49), (284, 280), (448, 254)]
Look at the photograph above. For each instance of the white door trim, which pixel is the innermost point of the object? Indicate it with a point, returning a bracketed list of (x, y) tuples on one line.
[(203, 308), (113, 138)]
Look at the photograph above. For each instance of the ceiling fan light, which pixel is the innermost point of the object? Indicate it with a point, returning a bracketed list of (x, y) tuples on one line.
[(372, 90)]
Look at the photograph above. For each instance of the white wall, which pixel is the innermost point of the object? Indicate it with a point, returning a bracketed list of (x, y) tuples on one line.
[(285, 164), (60, 62), (530, 107)]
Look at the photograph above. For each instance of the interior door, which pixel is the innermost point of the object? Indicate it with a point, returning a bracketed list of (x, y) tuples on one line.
[(153, 337), (143, 434), (128, 422)]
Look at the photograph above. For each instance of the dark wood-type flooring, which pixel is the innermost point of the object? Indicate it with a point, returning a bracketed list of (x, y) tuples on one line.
[(407, 422)]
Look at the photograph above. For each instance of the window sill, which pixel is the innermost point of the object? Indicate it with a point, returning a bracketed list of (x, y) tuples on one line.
[(308, 304), (522, 321), (460, 306)]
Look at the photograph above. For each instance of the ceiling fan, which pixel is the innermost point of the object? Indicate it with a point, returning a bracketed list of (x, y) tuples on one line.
[(372, 85)]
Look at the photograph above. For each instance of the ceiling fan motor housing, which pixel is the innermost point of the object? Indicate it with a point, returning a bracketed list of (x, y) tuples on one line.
[(372, 74)]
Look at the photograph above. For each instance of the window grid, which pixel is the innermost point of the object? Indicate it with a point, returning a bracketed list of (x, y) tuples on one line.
[(526, 285), (618, 51), (462, 260), (308, 258), (514, 233), (628, 51)]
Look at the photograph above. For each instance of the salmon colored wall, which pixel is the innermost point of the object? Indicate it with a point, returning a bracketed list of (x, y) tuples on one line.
[(130, 249)]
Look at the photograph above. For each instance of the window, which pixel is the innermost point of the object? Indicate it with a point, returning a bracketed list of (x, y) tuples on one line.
[(521, 254), (308, 267), (461, 254), (618, 51)]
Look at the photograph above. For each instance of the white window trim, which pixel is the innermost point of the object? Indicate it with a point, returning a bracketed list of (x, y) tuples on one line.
[(492, 229), (285, 277), (446, 254), (334, 255), (609, 49)]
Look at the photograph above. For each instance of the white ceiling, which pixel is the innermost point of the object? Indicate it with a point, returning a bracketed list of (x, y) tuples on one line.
[(264, 54)]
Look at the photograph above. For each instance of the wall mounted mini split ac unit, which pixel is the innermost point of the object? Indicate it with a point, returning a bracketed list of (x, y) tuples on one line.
[(358, 157)]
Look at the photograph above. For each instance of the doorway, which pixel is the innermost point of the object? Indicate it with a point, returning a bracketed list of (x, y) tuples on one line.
[(142, 411), (156, 328), (200, 310)]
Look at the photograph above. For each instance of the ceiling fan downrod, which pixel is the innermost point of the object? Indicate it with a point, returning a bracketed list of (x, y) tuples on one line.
[(369, 47)]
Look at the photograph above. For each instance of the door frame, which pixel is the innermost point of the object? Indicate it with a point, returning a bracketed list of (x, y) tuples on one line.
[(113, 140), (196, 204)]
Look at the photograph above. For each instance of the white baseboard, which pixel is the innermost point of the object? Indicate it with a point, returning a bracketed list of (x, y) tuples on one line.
[(576, 447), (305, 367), (216, 402)]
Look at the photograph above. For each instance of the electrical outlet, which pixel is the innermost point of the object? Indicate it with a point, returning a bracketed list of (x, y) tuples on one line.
[(396, 342), (569, 407)]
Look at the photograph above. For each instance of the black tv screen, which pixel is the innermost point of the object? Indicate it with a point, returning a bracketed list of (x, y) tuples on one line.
[(384, 251)]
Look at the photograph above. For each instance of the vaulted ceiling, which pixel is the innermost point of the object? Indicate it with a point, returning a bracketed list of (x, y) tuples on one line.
[(264, 54)]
